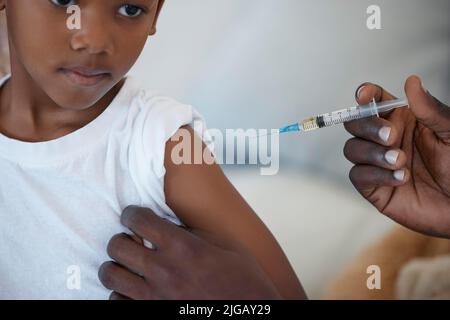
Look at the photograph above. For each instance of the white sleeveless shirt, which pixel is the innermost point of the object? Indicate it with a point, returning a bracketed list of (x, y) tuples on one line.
[(61, 200)]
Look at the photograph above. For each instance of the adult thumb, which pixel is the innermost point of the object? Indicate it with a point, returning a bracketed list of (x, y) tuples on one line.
[(428, 110)]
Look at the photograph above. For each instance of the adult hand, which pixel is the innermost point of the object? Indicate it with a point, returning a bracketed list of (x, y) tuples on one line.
[(402, 159), (182, 265)]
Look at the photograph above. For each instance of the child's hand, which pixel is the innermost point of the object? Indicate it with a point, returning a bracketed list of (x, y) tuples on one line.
[(402, 160)]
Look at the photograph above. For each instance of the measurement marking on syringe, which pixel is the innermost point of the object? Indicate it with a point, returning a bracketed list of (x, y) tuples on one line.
[(341, 116)]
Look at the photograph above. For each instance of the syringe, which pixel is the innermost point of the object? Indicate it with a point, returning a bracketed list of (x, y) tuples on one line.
[(345, 115)]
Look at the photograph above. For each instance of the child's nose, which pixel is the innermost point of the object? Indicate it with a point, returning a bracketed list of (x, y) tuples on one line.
[(93, 38)]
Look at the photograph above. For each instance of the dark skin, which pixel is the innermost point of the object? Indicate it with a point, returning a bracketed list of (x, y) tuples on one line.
[(45, 105), (420, 201), (421, 136), (237, 243), (42, 101), (187, 264)]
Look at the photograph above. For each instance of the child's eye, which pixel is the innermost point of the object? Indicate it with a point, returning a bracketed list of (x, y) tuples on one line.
[(130, 11), (63, 3)]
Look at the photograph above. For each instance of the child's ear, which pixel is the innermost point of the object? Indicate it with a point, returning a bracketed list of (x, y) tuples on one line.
[(158, 11), (2, 4)]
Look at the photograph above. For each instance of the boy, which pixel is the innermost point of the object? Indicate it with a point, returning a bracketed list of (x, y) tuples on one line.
[(80, 142)]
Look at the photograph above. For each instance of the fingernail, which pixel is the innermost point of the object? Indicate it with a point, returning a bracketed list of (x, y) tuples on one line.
[(384, 133), (359, 91), (399, 175), (392, 156), (148, 244)]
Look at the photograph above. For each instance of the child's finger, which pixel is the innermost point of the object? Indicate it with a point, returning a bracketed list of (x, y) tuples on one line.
[(366, 177), (359, 151), (377, 130)]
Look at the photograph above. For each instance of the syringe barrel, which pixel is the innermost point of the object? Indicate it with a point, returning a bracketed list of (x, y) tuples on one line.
[(373, 108), (368, 110), (345, 115), (353, 113), (386, 106)]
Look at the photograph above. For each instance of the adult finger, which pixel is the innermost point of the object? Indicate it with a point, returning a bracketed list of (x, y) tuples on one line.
[(428, 110), (359, 151), (149, 226), (368, 91), (374, 129), (365, 177), (131, 254), (117, 296), (123, 281)]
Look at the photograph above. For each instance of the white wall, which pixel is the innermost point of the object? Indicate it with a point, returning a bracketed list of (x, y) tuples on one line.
[(264, 63)]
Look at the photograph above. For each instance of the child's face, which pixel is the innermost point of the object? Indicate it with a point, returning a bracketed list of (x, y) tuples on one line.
[(75, 68)]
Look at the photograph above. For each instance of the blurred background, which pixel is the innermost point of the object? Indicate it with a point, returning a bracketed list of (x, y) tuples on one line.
[(263, 64)]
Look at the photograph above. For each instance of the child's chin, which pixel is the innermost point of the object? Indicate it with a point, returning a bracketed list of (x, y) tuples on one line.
[(76, 103), (71, 98)]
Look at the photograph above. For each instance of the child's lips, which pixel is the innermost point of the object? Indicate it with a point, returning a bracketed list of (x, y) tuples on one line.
[(85, 77)]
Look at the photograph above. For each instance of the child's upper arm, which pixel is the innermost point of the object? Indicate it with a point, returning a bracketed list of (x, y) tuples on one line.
[(204, 199)]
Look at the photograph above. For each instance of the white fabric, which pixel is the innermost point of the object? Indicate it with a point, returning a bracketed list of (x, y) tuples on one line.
[(61, 200)]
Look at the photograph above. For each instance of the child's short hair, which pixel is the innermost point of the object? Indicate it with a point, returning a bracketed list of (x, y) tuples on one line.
[(4, 57)]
